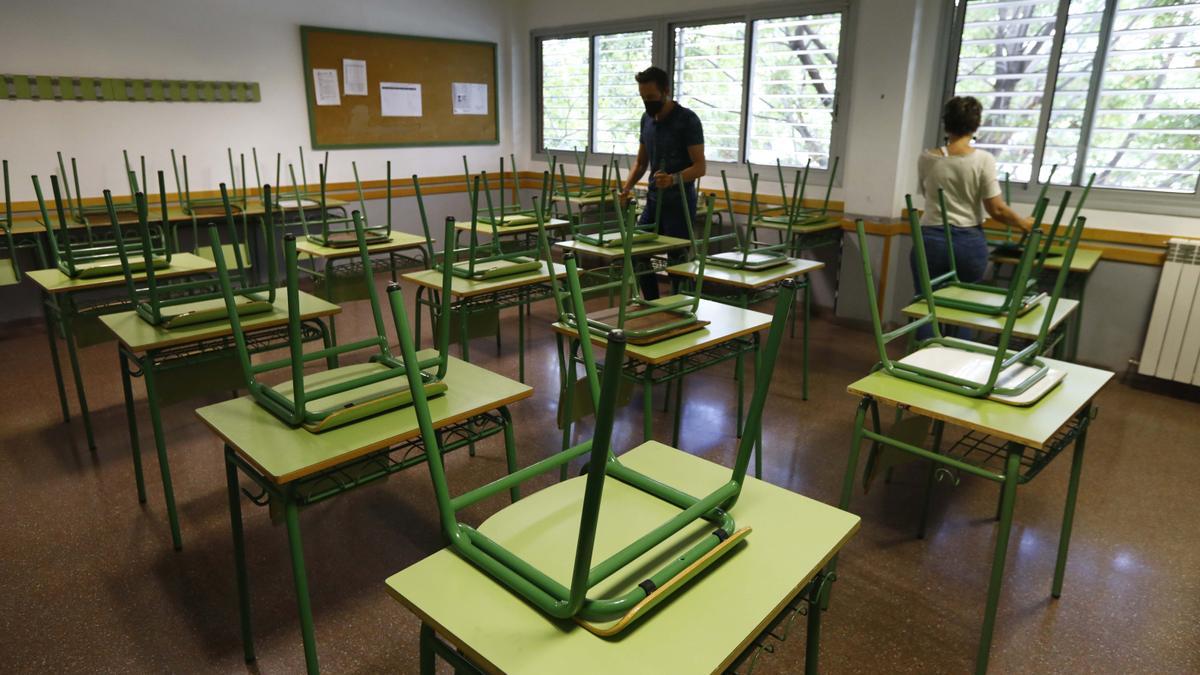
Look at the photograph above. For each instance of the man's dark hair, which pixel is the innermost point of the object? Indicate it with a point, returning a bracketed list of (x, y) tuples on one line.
[(962, 115), (656, 75)]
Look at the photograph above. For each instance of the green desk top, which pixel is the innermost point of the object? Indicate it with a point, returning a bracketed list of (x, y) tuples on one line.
[(552, 224), (701, 629), (726, 323), (182, 264), (284, 454), (1026, 327), (1032, 426), (753, 279), (660, 245), (139, 336), (1085, 260), (398, 241), (832, 222), (466, 288)]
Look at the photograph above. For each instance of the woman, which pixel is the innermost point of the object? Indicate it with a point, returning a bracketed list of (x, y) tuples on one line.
[(967, 178)]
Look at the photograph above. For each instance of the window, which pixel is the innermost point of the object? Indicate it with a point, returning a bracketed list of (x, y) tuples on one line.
[(709, 64), (763, 82), (620, 56), (565, 93), (1075, 87)]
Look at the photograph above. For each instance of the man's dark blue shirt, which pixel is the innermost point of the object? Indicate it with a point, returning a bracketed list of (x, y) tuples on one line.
[(666, 142)]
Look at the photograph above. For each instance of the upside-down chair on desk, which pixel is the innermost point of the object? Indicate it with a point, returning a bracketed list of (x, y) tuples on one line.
[(181, 302), (338, 395), (10, 264), (339, 231), (611, 232), (748, 254), (608, 611)]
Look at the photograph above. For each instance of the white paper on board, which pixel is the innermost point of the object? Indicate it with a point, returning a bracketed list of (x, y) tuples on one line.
[(400, 99), (470, 98), (354, 77), (326, 83)]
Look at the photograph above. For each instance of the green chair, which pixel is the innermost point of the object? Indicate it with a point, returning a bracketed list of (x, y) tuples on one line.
[(182, 302), (580, 190), (89, 214), (483, 261), (338, 395), (794, 212), (10, 247), (611, 232), (632, 589), (93, 257), (339, 231), (199, 209), (1015, 377), (639, 320), (508, 215), (746, 253)]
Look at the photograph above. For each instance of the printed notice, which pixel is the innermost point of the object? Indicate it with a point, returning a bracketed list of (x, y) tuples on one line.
[(325, 81), (470, 98), (354, 77), (400, 99)]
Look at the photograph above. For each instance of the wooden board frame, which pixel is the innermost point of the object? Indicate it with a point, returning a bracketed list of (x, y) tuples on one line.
[(432, 83)]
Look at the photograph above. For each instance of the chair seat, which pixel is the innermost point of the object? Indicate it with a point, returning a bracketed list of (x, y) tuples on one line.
[(294, 203), (653, 326), (203, 311), (989, 299), (356, 403), (748, 261), (616, 239), (494, 269), (510, 220), (347, 238), (975, 367), (110, 266)]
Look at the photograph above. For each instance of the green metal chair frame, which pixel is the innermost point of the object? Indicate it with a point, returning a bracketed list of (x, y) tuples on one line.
[(743, 241), (602, 232), (176, 303), (352, 392), (795, 213), (1002, 357), (581, 189), (339, 232), (630, 303), (483, 261), (94, 257), (12, 247), (513, 214), (571, 601), (78, 211), (197, 209)]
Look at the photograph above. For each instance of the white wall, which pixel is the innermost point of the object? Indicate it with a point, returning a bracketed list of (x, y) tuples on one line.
[(240, 40)]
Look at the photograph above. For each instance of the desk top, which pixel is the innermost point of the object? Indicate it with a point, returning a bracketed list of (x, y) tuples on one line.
[(726, 323), (52, 280), (139, 336), (175, 214), (466, 288), (661, 244), (1085, 260), (552, 224), (752, 279), (284, 454), (1027, 326), (701, 629), (831, 223), (398, 241), (1032, 426)]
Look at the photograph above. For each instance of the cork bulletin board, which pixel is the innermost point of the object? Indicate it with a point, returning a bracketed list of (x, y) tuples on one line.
[(436, 74)]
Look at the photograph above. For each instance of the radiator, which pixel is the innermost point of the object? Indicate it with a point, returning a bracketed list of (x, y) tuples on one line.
[(1172, 347)]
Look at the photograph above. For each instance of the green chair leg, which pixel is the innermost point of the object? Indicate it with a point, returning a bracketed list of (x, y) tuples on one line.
[(239, 554), (131, 417), (160, 446), (1064, 537), (300, 577)]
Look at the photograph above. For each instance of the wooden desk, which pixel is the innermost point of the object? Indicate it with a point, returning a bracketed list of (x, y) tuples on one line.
[(731, 333), (182, 363), (754, 286), (296, 468), (476, 304), (661, 244), (1006, 444), (61, 312), (703, 629)]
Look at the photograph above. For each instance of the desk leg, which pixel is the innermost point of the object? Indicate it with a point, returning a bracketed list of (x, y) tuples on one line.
[(160, 445), (678, 408), (804, 340), (73, 357), (464, 321), (239, 554), (1073, 350), (417, 319), (524, 302), (332, 361), (428, 655), (1064, 537), (817, 598), (1011, 469), (51, 332), (647, 405), (131, 416), (292, 515), (510, 451)]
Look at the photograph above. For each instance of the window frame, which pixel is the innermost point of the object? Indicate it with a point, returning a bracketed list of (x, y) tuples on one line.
[(1100, 198), (663, 50)]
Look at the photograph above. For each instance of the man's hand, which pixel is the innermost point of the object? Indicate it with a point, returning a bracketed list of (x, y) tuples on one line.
[(626, 195), (663, 180)]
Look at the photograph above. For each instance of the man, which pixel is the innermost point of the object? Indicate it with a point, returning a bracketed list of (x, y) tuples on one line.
[(672, 143)]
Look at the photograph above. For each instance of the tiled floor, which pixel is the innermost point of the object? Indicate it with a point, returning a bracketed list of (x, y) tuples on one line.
[(88, 580)]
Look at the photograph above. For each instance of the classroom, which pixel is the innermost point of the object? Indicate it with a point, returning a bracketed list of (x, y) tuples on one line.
[(841, 336)]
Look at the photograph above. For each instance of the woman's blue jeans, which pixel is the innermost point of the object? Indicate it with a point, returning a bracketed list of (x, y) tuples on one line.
[(970, 258)]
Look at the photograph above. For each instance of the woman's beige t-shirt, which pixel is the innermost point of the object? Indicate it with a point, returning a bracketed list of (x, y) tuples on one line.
[(967, 180)]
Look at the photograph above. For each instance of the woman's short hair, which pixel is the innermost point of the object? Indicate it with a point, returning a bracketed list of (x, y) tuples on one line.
[(962, 115)]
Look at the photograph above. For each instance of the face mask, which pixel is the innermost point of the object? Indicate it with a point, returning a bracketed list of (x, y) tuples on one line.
[(653, 107)]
